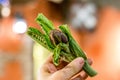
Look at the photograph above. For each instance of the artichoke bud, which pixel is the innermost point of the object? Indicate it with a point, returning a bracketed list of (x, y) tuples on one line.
[(57, 36)]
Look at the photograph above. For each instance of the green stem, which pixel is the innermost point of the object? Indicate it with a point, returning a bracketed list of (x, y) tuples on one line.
[(38, 37), (77, 51), (46, 24), (73, 44)]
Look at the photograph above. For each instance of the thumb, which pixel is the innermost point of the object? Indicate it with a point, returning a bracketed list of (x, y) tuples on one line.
[(70, 70)]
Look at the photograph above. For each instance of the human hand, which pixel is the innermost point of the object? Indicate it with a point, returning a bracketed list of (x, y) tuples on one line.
[(72, 71)]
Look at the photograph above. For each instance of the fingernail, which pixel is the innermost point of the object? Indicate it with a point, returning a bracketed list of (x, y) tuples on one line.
[(81, 60)]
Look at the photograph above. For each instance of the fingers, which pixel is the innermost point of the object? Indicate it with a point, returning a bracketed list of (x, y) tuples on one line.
[(70, 70), (48, 66), (51, 68), (84, 74), (90, 61), (66, 73), (78, 78), (81, 75)]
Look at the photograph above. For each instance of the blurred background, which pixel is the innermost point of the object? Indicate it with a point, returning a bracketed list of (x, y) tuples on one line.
[(95, 24)]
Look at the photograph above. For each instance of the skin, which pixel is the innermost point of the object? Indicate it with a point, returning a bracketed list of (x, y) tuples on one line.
[(71, 71)]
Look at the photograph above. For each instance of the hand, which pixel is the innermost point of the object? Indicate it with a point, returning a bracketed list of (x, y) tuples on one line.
[(72, 71)]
